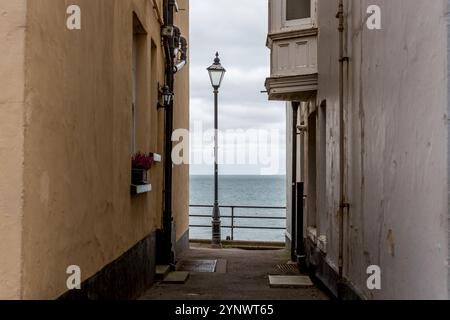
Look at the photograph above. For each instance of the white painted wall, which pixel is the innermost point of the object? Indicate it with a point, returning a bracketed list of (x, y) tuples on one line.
[(396, 145), (448, 143), (398, 151)]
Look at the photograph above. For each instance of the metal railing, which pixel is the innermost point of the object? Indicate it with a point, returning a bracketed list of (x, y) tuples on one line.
[(233, 225)]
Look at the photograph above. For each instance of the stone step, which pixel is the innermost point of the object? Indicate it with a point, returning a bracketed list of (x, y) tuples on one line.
[(176, 277), (161, 272), (290, 282)]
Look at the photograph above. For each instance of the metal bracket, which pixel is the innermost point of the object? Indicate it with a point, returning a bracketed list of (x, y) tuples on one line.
[(345, 206), (302, 128), (167, 31)]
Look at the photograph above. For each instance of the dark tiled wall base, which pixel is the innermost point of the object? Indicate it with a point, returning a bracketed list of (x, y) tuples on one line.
[(124, 279)]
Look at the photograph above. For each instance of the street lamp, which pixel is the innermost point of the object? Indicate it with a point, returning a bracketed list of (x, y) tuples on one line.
[(216, 73)]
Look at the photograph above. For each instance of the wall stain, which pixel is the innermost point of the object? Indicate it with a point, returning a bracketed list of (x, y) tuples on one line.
[(391, 243)]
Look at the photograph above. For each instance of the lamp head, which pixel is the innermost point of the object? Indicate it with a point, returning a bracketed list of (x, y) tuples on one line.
[(216, 72)]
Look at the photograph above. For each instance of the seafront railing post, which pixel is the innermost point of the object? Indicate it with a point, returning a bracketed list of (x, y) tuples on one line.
[(232, 223), (234, 218)]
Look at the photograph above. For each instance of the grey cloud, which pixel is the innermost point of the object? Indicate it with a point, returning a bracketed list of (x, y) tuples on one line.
[(238, 30)]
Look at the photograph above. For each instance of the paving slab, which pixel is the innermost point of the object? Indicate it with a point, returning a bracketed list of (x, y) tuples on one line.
[(290, 282), (197, 265), (221, 266), (245, 278)]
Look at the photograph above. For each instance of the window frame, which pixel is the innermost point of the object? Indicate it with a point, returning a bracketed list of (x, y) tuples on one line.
[(134, 88), (298, 23)]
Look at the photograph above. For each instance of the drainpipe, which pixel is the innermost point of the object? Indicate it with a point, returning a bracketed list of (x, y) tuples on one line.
[(297, 237), (173, 43), (167, 254), (176, 41), (158, 12), (294, 233), (182, 61), (343, 199)]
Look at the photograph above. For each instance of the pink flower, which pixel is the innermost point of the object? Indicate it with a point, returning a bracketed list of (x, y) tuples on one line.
[(142, 161)]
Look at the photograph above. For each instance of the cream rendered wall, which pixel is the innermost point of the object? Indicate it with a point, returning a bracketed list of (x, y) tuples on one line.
[(77, 203), (397, 143), (181, 121), (12, 105)]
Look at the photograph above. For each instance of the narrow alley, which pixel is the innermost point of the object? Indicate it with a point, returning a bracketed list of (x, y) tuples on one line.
[(244, 275), (225, 150)]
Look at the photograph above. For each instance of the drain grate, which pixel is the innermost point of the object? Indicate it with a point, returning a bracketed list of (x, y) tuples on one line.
[(204, 266), (288, 268)]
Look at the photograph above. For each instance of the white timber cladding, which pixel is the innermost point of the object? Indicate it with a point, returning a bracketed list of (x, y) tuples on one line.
[(296, 56)]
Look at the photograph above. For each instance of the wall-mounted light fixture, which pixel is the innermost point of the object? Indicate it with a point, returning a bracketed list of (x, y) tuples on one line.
[(166, 96)]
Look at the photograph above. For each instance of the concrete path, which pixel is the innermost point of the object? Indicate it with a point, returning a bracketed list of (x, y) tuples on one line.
[(246, 278)]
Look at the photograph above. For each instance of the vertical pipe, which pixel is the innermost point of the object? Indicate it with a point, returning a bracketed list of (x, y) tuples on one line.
[(167, 252), (301, 256), (343, 200), (232, 223), (295, 107)]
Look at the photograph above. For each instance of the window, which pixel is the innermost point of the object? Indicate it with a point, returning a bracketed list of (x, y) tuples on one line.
[(139, 99), (133, 94), (298, 9)]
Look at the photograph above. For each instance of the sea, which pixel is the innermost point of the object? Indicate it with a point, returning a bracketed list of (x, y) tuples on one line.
[(259, 191)]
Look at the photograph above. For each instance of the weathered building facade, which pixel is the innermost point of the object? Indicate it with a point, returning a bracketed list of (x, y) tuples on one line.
[(75, 104), (367, 113)]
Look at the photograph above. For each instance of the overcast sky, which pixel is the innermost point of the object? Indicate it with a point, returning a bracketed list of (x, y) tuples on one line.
[(238, 30)]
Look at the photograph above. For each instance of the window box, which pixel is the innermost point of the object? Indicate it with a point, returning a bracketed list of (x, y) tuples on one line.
[(157, 157), (140, 164), (140, 189)]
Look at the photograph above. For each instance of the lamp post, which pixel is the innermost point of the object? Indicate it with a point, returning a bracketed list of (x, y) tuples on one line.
[(216, 73)]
